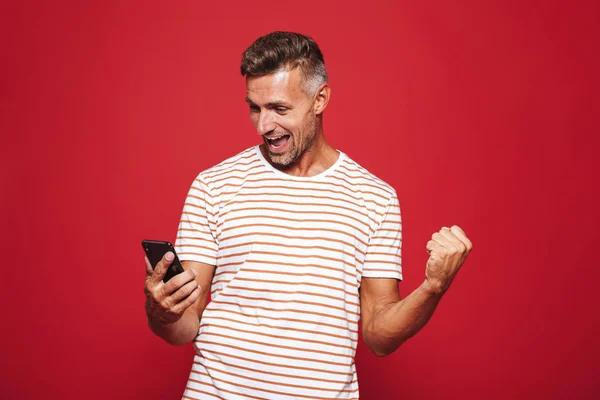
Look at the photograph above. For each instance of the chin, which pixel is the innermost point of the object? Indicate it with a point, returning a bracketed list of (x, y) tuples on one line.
[(281, 159)]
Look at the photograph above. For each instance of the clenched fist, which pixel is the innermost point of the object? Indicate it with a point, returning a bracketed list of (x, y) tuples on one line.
[(448, 249)]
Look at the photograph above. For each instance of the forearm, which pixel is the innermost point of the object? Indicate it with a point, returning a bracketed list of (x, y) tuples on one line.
[(396, 322), (180, 332)]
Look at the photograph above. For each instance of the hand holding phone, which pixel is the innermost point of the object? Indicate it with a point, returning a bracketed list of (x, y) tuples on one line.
[(168, 294)]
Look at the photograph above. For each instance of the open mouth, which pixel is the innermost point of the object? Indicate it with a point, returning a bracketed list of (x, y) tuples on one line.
[(277, 143)]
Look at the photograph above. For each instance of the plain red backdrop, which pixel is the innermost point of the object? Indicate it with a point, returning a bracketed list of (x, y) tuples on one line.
[(482, 114)]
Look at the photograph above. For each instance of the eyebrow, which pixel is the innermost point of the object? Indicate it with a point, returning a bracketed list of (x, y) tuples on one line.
[(275, 103)]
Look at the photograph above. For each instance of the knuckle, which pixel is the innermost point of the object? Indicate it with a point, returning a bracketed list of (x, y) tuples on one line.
[(166, 303), (181, 307), (180, 294), (176, 309), (168, 287), (155, 296)]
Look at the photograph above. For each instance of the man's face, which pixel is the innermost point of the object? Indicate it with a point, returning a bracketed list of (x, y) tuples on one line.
[(282, 112)]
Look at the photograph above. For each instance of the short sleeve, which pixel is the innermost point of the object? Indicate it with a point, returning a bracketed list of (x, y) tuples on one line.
[(196, 234), (383, 258)]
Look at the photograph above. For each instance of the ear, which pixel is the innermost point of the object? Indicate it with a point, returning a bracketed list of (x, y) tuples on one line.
[(322, 98)]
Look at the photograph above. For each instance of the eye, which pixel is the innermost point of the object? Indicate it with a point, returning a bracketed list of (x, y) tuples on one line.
[(281, 110), (254, 109)]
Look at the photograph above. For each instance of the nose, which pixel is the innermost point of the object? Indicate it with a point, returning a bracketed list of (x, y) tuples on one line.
[(265, 122)]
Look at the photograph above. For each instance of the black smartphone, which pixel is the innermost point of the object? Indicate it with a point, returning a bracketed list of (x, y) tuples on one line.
[(155, 250)]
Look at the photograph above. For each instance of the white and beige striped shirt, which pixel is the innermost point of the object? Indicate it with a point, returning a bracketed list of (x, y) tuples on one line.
[(290, 253)]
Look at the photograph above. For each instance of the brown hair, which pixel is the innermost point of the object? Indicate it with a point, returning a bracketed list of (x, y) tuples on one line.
[(285, 50)]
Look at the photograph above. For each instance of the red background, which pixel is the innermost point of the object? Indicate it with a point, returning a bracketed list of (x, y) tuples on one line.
[(482, 114)]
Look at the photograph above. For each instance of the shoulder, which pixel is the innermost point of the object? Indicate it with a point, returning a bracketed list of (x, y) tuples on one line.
[(363, 180), (242, 161)]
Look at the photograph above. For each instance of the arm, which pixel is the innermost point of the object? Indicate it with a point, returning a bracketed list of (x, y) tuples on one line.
[(388, 321), (174, 308)]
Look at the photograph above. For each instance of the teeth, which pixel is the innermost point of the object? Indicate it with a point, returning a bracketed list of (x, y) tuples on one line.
[(273, 138)]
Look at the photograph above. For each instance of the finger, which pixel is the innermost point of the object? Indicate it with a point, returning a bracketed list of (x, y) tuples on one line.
[(188, 301), (184, 291), (149, 268), (178, 281), (456, 242), (460, 234), (429, 246), (433, 247), (459, 229), (441, 240), (161, 268)]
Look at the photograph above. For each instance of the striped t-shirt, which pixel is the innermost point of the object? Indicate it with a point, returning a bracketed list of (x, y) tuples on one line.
[(290, 253)]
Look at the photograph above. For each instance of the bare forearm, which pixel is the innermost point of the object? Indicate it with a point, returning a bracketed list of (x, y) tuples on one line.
[(398, 321), (180, 332)]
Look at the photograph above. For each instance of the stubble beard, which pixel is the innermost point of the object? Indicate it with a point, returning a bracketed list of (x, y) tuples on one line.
[(290, 157)]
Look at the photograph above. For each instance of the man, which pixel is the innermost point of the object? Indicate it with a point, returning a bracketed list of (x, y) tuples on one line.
[(297, 243)]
